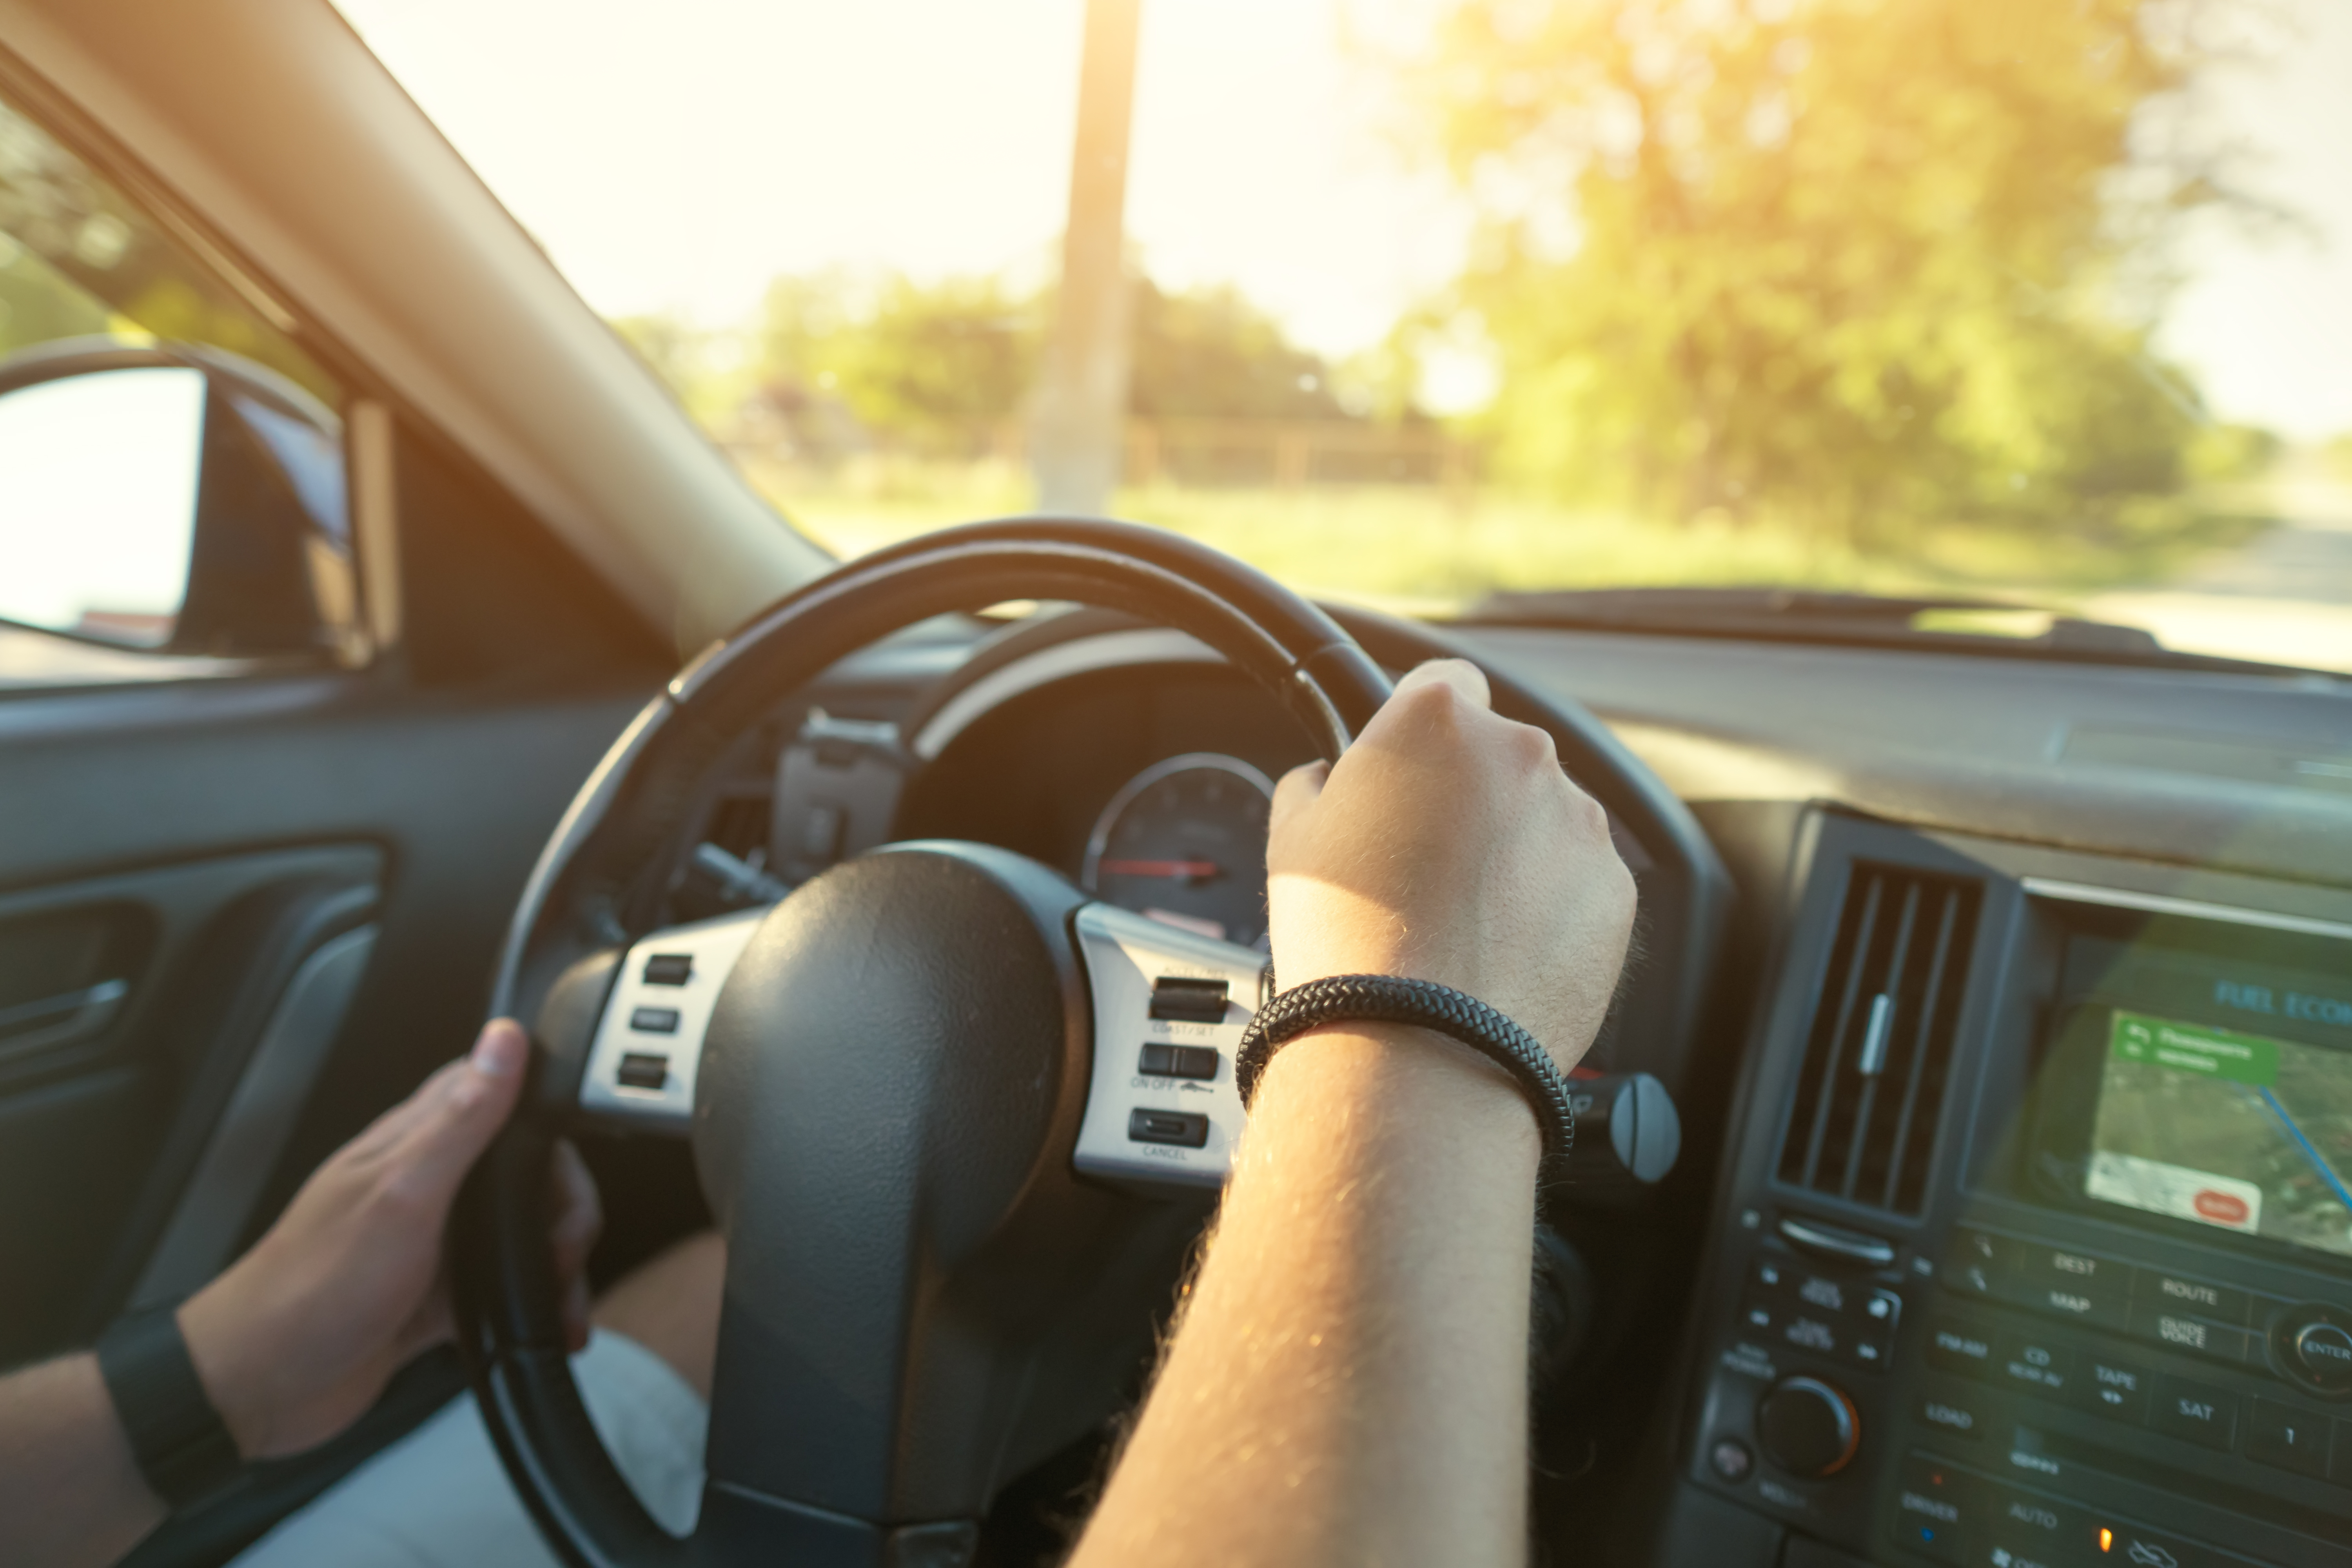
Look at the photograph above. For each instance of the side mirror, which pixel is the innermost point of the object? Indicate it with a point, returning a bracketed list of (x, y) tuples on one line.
[(173, 499)]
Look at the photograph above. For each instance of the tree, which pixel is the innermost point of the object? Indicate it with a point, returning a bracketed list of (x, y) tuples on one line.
[(1858, 261), (1210, 353), (935, 365)]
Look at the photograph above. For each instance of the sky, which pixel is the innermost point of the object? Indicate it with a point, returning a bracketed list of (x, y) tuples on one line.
[(675, 157)]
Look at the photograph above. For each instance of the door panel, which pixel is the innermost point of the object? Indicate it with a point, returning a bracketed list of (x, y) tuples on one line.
[(300, 881)]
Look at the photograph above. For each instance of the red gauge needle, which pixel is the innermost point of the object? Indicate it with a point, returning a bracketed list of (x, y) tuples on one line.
[(1159, 867)]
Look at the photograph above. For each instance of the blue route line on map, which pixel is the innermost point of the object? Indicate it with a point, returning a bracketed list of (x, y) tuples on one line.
[(2310, 1150)]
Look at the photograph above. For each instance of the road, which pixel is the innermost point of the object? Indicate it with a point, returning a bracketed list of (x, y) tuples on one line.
[(2286, 597)]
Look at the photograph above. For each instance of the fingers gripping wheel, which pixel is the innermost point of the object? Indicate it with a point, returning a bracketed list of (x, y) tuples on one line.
[(885, 1078)]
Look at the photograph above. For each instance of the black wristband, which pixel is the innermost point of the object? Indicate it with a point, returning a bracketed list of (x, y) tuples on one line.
[(182, 1445), (1387, 999)]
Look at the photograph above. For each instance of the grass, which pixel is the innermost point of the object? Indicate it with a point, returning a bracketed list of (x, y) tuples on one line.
[(1429, 548)]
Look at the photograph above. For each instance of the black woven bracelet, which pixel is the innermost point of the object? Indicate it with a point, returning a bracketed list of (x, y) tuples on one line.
[(183, 1446), (1388, 999)]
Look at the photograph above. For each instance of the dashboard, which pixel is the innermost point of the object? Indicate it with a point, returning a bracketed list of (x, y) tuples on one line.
[(2014, 1226)]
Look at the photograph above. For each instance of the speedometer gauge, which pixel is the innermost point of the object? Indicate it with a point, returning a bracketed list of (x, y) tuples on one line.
[(1184, 842)]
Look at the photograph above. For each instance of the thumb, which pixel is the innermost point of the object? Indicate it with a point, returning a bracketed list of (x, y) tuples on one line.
[(1464, 677), (465, 1110)]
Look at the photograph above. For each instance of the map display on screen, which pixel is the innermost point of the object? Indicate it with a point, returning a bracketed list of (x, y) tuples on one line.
[(2237, 1130)]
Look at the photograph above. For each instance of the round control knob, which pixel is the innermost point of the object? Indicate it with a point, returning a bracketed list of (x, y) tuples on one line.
[(2322, 1351), (1808, 1427)]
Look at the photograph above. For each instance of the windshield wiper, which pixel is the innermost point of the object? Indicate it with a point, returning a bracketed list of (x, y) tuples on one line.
[(1800, 615)]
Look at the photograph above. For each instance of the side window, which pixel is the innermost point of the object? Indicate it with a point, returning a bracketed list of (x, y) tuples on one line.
[(173, 500)]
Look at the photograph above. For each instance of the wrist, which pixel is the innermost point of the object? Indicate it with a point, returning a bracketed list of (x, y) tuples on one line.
[(1409, 1088), (235, 1376)]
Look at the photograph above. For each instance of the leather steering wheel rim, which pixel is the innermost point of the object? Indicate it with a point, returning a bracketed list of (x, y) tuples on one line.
[(588, 892)]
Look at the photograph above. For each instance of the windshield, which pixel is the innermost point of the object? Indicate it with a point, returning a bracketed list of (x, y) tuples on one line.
[(1414, 302)]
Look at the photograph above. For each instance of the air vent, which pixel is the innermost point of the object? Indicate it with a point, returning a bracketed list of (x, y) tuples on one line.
[(1863, 1126), (739, 825)]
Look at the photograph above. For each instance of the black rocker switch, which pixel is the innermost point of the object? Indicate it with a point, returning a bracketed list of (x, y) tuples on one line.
[(1184, 1127), (1188, 1001), (643, 1069), (669, 968), (1178, 1061)]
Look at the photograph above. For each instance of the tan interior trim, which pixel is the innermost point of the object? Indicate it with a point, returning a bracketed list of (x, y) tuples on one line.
[(375, 518)]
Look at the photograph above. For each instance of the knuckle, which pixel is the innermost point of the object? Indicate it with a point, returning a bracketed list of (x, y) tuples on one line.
[(1531, 748)]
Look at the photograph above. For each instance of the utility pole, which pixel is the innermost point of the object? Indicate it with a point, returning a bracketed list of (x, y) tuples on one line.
[(1077, 425)]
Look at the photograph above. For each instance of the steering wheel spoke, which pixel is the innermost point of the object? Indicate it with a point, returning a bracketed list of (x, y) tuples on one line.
[(1169, 1007), (646, 1052)]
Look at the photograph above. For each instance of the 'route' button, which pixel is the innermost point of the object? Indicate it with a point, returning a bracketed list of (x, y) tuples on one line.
[(2171, 1292)]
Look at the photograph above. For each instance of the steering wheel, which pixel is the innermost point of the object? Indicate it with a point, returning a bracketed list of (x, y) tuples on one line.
[(910, 1088)]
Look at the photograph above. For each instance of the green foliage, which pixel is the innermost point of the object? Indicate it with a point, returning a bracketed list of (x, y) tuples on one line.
[(77, 259), (1851, 262), (2337, 453), (2220, 453), (844, 359), (930, 362), (1210, 353)]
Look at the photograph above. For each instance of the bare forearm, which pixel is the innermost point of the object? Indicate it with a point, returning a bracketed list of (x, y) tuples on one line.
[(71, 1493), (1349, 1381)]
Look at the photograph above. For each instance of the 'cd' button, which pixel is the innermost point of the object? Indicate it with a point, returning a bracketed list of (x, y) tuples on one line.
[(2033, 1363)]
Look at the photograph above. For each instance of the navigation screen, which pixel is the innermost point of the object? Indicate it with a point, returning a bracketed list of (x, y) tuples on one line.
[(2232, 1130)]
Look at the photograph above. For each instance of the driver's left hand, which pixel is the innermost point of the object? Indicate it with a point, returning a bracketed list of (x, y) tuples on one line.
[(296, 1339)]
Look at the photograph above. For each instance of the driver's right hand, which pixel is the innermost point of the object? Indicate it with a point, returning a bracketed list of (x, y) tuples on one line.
[(1448, 845)]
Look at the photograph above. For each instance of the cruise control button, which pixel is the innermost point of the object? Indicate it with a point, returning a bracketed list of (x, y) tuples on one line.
[(2171, 1292), (1178, 1061), (2218, 1341), (654, 1020), (669, 968), (2194, 1412), (2115, 1389), (642, 1070), (2289, 1438), (1183, 1127), (1187, 1000), (2033, 1363)]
